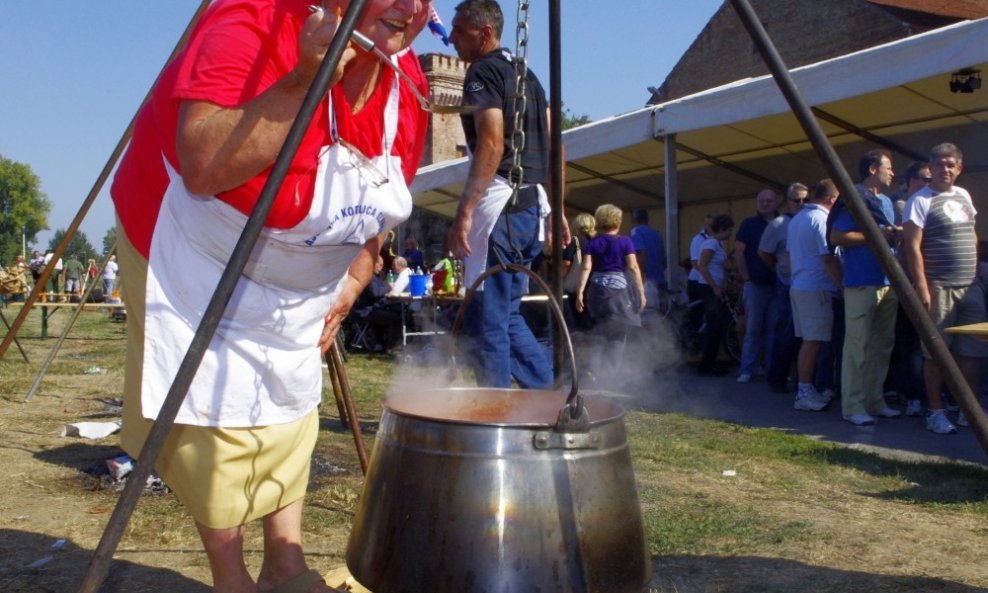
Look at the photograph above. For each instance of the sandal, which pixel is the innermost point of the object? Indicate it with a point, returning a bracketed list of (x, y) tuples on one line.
[(300, 584)]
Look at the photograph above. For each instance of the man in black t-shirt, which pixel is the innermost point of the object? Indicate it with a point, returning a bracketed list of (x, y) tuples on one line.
[(490, 227)]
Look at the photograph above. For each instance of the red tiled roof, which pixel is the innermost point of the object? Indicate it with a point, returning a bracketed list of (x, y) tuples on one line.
[(962, 9)]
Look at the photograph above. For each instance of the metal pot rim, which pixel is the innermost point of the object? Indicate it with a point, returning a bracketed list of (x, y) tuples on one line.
[(494, 407)]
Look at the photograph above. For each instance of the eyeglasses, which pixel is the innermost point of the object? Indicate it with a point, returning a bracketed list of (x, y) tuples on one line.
[(925, 179), (368, 171), (797, 200), (356, 159)]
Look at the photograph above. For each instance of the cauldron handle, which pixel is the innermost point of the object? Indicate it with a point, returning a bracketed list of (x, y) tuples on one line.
[(573, 416)]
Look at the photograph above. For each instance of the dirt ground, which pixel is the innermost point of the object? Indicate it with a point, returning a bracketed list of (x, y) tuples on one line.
[(52, 513), (53, 510)]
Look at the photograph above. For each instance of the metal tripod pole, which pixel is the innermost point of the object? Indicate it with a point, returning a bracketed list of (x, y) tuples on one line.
[(7, 325), (97, 187), (100, 563), (859, 211)]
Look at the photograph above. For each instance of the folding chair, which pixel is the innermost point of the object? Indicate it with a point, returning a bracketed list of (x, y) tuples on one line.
[(357, 334)]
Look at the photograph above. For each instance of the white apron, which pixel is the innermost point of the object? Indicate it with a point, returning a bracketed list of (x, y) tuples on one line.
[(485, 217), (263, 365)]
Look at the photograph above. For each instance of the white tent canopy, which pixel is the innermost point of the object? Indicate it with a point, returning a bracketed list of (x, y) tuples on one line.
[(734, 140)]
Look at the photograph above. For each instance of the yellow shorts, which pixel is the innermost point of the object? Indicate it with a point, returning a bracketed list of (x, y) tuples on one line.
[(225, 477)]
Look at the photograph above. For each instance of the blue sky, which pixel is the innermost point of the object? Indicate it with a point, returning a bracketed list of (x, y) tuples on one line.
[(74, 73)]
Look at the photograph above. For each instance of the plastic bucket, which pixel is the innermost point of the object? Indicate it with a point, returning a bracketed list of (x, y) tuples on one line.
[(416, 285)]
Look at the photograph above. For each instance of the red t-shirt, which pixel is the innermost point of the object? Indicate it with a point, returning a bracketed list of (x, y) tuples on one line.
[(238, 50)]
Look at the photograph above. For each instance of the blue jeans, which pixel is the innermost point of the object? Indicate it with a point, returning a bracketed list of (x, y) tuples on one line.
[(506, 346), (755, 298), (785, 344)]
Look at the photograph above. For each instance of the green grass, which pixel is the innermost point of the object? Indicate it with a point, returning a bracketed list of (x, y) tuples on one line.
[(699, 514), (789, 491)]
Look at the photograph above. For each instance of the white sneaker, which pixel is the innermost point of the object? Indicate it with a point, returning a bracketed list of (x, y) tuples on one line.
[(860, 419), (744, 378), (914, 408), (827, 395), (888, 413), (937, 422), (809, 401), (962, 419)]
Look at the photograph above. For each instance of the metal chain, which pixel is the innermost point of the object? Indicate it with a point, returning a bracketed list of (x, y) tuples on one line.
[(517, 174)]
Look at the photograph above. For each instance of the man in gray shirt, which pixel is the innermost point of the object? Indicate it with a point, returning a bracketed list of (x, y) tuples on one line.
[(942, 258), (773, 251)]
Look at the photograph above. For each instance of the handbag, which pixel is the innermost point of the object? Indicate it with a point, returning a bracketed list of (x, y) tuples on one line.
[(572, 280)]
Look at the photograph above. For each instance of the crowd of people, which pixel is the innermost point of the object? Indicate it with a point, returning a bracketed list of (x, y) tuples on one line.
[(820, 317), (67, 282)]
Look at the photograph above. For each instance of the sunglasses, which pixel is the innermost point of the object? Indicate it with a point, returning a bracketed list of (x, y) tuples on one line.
[(797, 201)]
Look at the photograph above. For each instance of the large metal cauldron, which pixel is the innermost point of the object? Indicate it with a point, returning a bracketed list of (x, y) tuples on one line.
[(499, 491)]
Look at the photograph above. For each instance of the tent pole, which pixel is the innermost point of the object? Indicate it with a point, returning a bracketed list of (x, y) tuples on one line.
[(672, 217), (917, 313), (557, 165), (100, 563), (97, 187)]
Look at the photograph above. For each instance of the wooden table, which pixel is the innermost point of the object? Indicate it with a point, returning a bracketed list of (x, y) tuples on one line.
[(429, 302), (55, 306), (443, 302), (978, 330)]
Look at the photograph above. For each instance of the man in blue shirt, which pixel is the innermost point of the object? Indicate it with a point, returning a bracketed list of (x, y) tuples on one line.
[(815, 280), (870, 305), (651, 254)]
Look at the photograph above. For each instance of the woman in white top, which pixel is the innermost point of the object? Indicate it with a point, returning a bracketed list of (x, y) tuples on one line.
[(711, 289)]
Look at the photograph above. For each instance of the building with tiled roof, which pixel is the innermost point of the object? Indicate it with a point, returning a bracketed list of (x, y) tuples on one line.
[(805, 32)]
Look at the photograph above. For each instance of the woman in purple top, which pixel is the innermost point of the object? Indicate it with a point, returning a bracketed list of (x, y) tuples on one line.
[(609, 264)]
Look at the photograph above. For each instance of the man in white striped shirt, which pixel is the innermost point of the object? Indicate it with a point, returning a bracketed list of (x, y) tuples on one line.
[(941, 256)]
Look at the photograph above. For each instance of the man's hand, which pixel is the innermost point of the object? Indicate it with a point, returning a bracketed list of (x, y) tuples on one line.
[(566, 236), (923, 292), (458, 243)]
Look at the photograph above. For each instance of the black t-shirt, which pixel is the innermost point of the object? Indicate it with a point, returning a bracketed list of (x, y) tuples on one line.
[(490, 83)]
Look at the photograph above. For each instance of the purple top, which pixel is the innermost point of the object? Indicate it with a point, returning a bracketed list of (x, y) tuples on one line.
[(609, 252)]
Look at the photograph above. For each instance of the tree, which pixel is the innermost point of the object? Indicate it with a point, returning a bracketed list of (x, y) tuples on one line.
[(572, 121), (24, 208), (79, 244), (109, 240)]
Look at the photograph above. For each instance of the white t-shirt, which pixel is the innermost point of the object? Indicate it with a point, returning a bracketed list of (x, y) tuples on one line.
[(401, 283), (110, 271), (716, 264), (949, 244)]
